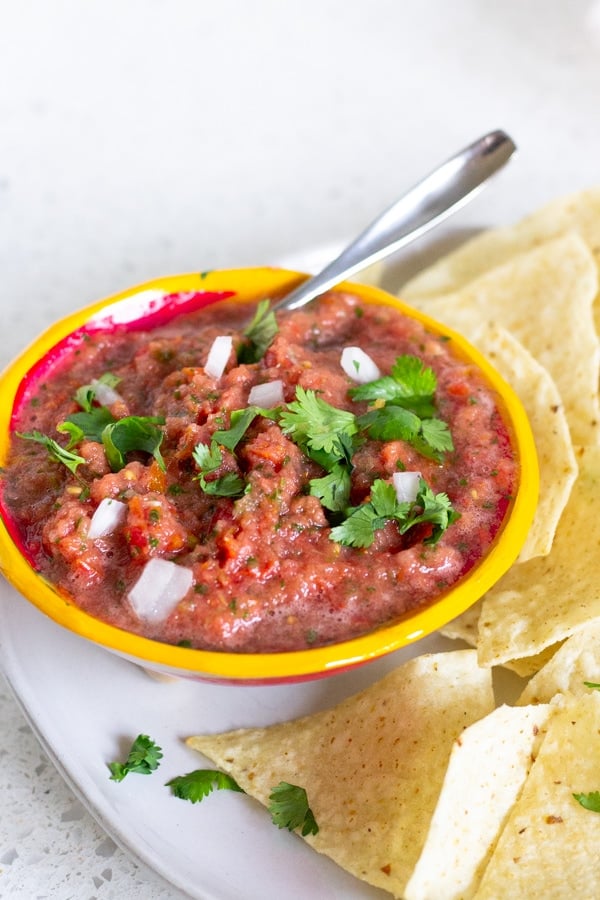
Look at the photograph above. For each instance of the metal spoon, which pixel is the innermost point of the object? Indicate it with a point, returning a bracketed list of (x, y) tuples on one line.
[(427, 204)]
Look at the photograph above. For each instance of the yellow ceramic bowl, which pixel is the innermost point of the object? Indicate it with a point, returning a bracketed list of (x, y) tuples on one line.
[(153, 302)]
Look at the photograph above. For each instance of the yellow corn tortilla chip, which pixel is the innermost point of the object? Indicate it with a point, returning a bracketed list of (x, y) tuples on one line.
[(542, 402), (578, 212), (529, 665), (549, 846), (577, 661), (545, 600), (372, 766), (486, 771), (466, 628), (545, 299)]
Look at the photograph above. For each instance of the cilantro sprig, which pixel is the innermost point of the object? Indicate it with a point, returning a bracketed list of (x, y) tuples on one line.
[(209, 458), (259, 334), (197, 785), (55, 451), (358, 529), (405, 408), (288, 805), (143, 758), (96, 423)]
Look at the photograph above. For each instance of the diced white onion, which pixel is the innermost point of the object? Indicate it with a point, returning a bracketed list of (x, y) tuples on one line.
[(105, 394), (407, 486), (218, 355), (159, 589), (358, 365), (109, 514), (266, 395)]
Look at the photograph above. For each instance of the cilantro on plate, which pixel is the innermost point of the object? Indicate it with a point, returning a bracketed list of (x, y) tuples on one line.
[(143, 758), (288, 805), (197, 785)]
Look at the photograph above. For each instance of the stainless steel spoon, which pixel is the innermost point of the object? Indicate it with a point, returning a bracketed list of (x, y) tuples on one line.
[(427, 204)]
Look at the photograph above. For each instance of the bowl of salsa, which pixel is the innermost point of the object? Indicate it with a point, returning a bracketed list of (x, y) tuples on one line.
[(216, 490)]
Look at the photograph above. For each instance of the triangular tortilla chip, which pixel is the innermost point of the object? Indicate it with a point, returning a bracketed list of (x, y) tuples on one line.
[(542, 402), (577, 661), (541, 602), (578, 212), (545, 299), (372, 766), (487, 769), (549, 847)]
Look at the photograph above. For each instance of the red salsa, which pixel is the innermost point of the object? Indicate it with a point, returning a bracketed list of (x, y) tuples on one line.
[(287, 516)]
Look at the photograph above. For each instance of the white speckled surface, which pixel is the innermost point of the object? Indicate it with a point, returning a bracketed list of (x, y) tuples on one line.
[(145, 137)]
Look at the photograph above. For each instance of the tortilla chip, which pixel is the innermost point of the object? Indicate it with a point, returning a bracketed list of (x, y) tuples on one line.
[(577, 212), (541, 602), (487, 769), (466, 628), (545, 299), (529, 665), (372, 766), (577, 661), (542, 402), (549, 847)]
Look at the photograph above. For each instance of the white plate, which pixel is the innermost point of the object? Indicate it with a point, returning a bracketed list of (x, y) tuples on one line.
[(87, 705)]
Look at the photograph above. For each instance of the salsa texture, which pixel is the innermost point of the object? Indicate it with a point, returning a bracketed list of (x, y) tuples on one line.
[(249, 518)]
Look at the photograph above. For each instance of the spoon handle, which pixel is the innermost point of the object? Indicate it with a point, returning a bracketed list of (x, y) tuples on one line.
[(427, 204)]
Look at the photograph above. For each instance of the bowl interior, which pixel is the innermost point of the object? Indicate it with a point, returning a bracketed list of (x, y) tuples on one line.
[(157, 302)]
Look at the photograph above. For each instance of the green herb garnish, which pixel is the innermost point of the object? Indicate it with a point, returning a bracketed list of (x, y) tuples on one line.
[(589, 801), (259, 334), (406, 409), (144, 757), (288, 805), (358, 529), (56, 452), (197, 785), (209, 458), (133, 433)]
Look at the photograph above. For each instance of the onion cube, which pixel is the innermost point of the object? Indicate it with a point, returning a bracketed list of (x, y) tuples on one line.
[(107, 517), (358, 365), (159, 589), (406, 485)]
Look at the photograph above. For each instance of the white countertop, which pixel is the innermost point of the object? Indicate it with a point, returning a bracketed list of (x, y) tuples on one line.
[(146, 137)]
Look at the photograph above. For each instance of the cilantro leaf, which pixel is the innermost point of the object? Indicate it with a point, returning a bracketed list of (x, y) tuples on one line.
[(315, 425), (409, 383), (589, 801), (240, 422), (435, 509), (56, 452), (391, 423), (259, 334), (144, 757), (288, 805), (133, 433), (413, 378), (208, 458), (358, 529), (436, 435), (333, 490), (197, 785), (91, 423), (405, 408), (384, 499)]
